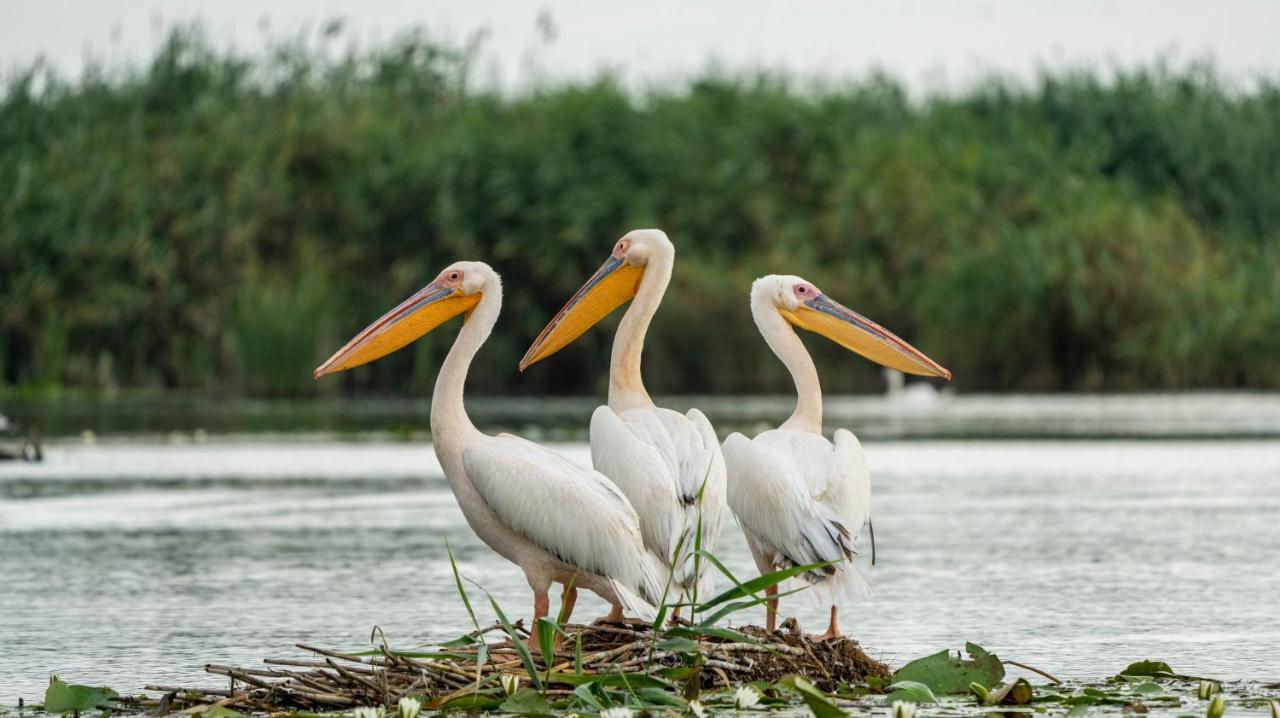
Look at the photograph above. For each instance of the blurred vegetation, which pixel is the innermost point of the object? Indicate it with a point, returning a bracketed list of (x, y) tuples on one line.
[(220, 223)]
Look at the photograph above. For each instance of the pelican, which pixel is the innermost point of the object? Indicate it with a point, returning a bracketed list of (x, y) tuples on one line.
[(661, 459), (800, 498), (557, 521)]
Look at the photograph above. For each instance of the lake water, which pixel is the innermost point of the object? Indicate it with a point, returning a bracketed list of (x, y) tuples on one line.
[(127, 563)]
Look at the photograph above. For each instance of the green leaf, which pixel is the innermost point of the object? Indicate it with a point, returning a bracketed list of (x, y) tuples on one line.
[(819, 703), (712, 631), (1148, 668), (1015, 693), (945, 674), (736, 606), (220, 712), (909, 691), (658, 697), (474, 702), (526, 701), (457, 580), (546, 632), (586, 693), (521, 649), (1078, 710), (679, 644), (63, 697), (759, 583), (1149, 688), (459, 642)]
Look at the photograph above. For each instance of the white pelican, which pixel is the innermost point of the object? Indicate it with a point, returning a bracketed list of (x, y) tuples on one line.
[(557, 521), (661, 459), (800, 498)]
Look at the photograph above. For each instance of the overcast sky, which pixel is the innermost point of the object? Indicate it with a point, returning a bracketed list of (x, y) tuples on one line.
[(926, 42)]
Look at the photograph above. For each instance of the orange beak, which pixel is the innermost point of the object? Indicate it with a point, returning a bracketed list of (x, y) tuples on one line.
[(862, 336), (427, 309)]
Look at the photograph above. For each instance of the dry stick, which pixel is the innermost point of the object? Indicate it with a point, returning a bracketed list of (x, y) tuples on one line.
[(268, 672), (804, 642), (352, 676), (758, 648), (235, 674), (602, 656), (334, 654), (1034, 670), (328, 698), (713, 663), (192, 691), (301, 663)]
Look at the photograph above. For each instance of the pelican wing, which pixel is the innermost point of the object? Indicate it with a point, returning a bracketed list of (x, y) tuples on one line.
[(661, 460), (788, 492), (849, 482), (572, 512)]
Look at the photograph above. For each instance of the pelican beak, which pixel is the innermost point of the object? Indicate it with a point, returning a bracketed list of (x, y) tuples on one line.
[(609, 288), (427, 309), (862, 336)]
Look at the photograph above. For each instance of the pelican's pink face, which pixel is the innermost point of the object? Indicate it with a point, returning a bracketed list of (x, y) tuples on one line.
[(454, 291), (613, 285), (804, 305)]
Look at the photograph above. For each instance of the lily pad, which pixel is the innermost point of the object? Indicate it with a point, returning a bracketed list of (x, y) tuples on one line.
[(944, 673), (62, 697), (526, 701), (909, 692), (817, 701)]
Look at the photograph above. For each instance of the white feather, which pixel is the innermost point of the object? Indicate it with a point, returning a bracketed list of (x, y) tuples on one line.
[(573, 513), (800, 500), (661, 460)]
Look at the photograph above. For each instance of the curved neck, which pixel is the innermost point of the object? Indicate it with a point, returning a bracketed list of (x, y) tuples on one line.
[(450, 425), (781, 338), (626, 386)]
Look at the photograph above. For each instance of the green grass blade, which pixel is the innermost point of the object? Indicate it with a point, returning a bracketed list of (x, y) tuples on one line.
[(520, 648), (457, 580), (762, 582), (546, 631), (560, 617), (729, 608)]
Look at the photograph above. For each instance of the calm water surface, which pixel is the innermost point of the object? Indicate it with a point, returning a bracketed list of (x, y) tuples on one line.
[(125, 564)]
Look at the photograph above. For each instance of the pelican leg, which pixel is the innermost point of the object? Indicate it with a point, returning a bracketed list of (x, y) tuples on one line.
[(615, 613), (568, 597), (541, 604), (771, 608), (833, 628)]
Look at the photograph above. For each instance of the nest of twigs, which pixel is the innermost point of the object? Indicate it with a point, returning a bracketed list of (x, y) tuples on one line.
[(330, 680)]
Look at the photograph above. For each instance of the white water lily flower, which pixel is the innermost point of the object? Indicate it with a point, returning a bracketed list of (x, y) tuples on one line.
[(616, 712), (745, 697), (369, 712), (902, 709), (510, 683), (1206, 690), (410, 707), (697, 709)]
